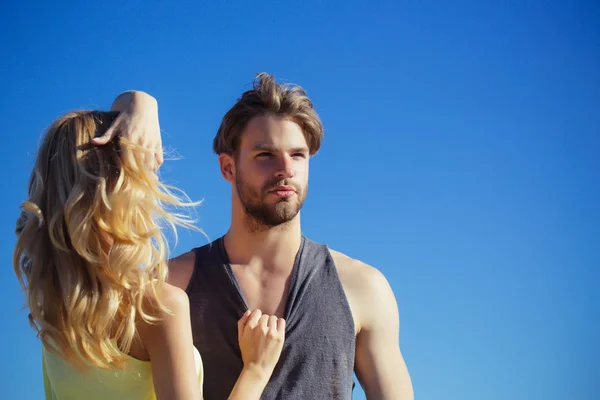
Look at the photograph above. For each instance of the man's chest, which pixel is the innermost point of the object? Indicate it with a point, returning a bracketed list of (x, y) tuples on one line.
[(262, 290)]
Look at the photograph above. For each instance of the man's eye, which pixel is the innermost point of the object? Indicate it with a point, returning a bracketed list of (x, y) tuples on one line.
[(301, 155), (263, 154)]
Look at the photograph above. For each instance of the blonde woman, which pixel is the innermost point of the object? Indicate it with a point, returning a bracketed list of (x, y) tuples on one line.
[(91, 257)]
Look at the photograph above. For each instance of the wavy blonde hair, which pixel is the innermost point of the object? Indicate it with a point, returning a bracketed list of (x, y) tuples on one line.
[(90, 254)]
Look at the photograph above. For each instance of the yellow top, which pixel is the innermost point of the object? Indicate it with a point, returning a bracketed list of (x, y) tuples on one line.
[(62, 381)]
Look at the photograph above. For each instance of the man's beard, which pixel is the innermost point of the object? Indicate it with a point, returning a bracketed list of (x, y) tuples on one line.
[(265, 215)]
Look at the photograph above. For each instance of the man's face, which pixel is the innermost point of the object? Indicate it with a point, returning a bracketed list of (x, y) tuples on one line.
[(272, 170)]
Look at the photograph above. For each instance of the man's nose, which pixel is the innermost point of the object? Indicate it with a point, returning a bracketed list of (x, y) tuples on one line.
[(285, 169)]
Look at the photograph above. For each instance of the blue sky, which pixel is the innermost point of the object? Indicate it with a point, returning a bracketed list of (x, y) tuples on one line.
[(460, 158)]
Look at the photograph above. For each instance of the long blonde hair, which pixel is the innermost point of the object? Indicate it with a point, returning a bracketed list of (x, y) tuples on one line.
[(90, 254)]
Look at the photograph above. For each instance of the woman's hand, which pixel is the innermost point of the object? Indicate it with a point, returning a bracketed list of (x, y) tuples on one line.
[(138, 123), (261, 340)]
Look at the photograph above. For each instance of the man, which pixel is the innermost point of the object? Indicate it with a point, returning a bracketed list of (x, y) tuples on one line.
[(341, 314)]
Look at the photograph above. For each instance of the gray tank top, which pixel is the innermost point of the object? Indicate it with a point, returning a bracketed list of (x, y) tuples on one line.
[(317, 361)]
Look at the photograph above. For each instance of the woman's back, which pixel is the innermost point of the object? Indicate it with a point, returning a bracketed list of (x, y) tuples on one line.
[(63, 381)]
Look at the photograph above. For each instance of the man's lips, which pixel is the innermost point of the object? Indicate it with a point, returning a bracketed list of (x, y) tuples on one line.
[(283, 191)]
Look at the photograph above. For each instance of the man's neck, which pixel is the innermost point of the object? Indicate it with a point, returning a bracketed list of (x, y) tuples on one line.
[(274, 248)]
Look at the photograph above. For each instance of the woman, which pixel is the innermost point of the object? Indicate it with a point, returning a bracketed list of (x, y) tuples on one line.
[(91, 257)]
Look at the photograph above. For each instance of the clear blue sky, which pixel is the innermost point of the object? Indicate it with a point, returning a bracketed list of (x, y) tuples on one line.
[(461, 158)]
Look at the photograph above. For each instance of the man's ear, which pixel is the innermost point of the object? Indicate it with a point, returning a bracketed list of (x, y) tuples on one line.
[(227, 166)]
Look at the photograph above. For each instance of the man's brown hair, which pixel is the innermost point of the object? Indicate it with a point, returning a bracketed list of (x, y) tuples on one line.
[(267, 97)]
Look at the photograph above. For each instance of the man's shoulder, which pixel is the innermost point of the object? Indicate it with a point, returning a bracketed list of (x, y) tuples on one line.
[(181, 269), (362, 284), (183, 259), (353, 269)]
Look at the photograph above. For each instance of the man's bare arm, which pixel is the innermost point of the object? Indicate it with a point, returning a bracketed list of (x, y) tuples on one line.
[(380, 367)]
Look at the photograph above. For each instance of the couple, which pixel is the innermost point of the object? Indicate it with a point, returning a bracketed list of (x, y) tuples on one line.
[(262, 312)]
